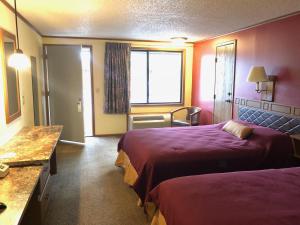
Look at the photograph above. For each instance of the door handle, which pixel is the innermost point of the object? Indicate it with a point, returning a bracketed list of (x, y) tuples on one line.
[(228, 100)]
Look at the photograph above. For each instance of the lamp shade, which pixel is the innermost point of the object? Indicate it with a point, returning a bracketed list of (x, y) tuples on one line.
[(19, 60), (257, 74)]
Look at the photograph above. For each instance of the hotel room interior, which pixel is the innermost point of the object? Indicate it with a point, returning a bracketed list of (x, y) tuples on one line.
[(127, 112)]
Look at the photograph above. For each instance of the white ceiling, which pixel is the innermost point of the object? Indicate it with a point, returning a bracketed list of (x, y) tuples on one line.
[(150, 19)]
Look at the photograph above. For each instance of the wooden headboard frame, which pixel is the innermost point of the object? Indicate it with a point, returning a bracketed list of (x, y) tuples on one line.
[(272, 107), (269, 114)]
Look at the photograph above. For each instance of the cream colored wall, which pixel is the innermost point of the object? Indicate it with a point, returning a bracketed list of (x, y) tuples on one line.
[(115, 124), (31, 44)]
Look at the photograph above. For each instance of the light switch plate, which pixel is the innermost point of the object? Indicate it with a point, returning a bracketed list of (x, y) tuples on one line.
[(4, 169)]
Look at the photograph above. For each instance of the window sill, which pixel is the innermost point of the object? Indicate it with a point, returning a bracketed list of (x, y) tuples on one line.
[(156, 104)]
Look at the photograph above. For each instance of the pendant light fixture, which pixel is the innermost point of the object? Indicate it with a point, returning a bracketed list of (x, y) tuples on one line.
[(18, 59)]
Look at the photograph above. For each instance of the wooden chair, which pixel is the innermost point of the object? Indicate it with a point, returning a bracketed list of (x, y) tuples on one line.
[(191, 119)]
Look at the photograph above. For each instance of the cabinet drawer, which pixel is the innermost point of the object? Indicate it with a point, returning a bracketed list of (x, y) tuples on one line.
[(44, 198)]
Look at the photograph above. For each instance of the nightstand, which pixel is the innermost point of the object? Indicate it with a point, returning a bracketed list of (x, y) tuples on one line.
[(296, 144)]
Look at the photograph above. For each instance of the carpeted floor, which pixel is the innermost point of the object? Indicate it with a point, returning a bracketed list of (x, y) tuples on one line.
[(89, 189)]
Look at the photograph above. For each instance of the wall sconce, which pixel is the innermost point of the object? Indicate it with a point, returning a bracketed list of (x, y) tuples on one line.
[(265, 85)]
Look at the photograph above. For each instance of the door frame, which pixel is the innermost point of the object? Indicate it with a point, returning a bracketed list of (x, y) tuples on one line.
[(46, 86), (34, 98), (234, 42)]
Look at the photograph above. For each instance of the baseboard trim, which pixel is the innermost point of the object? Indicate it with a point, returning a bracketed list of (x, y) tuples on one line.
[(107, 135), (71, 142)]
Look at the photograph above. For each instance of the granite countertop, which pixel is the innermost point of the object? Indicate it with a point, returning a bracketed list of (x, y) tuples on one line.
[(16, 190), (31, 146)]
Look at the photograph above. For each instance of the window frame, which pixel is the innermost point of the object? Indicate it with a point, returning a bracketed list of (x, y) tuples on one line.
[(182, 77)]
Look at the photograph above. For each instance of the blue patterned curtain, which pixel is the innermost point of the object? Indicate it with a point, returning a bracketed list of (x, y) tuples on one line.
[(117, 69)]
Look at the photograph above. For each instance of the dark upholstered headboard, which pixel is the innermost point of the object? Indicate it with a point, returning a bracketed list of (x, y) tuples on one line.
[(285, 124)]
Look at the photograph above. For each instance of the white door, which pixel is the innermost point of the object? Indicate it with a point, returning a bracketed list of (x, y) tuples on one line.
[(224, 81), (65, 90)]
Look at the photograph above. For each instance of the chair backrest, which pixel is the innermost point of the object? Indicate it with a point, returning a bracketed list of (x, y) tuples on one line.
[(195, 118)]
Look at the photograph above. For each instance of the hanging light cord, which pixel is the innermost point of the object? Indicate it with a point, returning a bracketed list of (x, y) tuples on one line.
[(17, 31)]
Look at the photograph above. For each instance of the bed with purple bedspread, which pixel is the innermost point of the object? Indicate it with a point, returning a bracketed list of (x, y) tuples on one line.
[(265, 197), (159, 154)]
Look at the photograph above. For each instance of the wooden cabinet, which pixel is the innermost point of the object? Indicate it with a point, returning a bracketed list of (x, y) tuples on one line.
[(296, 144), (38, 204)]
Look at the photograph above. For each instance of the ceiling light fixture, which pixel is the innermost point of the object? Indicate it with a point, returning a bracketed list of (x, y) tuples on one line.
[(179, 40), (18, 59)]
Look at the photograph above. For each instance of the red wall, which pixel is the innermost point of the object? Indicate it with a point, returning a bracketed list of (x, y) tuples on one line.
[(275, 45)]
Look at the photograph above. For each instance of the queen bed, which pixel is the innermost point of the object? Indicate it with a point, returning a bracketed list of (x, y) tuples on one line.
[(151, 156), (267, 197)]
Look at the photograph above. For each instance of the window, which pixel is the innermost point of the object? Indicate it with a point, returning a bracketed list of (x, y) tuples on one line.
[(156, 77)]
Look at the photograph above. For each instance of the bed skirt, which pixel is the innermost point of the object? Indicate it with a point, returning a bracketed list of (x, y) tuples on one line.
[(123, 161), (130, 177), (158, 219)]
